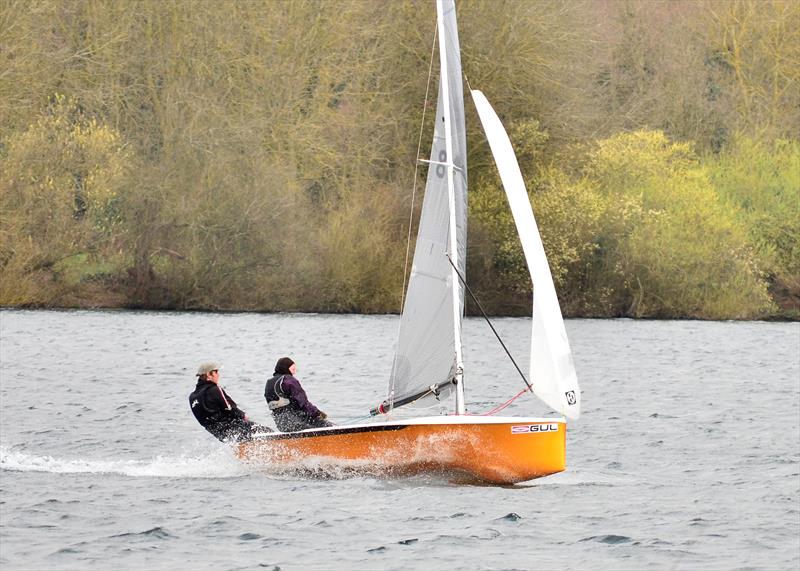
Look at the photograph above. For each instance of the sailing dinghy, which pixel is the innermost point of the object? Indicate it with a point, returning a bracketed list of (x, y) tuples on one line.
[(428, 366)]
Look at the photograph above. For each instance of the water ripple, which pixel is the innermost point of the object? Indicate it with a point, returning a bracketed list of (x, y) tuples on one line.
[(153, 533), (610, 539)]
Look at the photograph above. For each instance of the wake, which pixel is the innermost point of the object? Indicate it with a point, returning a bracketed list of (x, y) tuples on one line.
[(218, 464)]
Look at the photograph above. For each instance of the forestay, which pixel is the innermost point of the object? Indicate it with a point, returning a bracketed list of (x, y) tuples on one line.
[(429, 344), (552, 371)]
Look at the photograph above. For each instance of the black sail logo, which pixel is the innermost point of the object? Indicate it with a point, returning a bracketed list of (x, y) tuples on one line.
[(440, 169), (571, 397)]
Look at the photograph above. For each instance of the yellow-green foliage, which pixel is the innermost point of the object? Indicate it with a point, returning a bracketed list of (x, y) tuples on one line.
[(680, 250), (60, 196), (260, 155), (568, 214), (763, 181), (641, 232), (571, 215)]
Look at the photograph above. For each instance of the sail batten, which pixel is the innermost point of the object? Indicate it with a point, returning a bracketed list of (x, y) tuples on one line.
[(552, 371)]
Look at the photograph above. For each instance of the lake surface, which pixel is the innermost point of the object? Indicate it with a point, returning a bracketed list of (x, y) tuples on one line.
[(687, 455)]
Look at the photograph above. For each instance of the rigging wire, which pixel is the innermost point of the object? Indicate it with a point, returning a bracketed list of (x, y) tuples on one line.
[(416, 169), (358, 420), (411, 210), (496, 334)]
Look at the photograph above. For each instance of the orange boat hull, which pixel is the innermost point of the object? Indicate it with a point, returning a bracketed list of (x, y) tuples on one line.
[(501, 451)]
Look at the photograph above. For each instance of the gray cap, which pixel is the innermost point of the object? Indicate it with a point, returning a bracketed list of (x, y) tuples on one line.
[(206, 368)]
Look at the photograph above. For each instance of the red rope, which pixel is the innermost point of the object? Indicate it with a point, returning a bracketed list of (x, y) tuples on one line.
[(500, 407)]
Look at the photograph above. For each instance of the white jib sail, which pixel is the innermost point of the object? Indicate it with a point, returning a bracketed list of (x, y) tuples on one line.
[(552, 371)]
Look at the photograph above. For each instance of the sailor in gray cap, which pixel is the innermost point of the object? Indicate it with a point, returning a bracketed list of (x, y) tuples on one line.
[(216, 411), (207, 368)]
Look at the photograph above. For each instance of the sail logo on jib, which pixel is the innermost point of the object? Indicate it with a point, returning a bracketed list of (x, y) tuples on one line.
[(528, 428)]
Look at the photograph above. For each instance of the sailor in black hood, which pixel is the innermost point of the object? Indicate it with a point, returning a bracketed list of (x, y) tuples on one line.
[(288, 402)]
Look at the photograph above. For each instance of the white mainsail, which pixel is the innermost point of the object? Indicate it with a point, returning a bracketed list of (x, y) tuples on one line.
[(552, 371), (429, 341)]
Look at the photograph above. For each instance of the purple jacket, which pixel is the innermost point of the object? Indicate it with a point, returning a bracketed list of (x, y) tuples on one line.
[(290, 388)]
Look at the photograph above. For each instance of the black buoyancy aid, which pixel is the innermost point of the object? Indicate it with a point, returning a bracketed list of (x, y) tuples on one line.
[(276, 398)]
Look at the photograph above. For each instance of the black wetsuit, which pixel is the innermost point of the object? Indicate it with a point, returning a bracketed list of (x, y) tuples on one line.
[(217, 412)]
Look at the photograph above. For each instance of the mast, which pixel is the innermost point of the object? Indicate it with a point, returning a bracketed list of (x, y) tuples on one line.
[(454, 280)]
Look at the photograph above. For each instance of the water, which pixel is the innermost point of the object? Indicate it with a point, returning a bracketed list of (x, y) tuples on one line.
[(687, 455)]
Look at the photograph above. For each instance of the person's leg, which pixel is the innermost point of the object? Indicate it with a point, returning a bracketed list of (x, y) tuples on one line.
[(289, 421), (319, 423)]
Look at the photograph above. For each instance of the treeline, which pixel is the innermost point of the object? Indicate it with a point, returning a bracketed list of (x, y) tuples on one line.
[(260, 155)]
